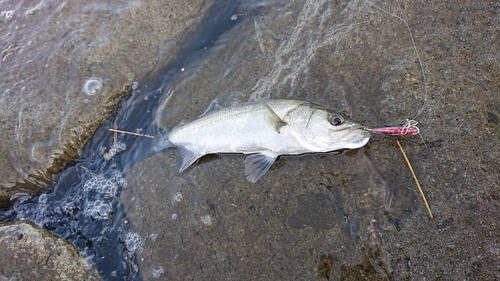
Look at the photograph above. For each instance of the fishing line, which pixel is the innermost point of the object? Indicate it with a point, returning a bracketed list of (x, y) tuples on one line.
[(410, 123), (410, 128)]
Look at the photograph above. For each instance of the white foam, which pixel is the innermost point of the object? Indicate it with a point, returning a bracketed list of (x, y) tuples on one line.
[(98, 210), (134, 242), (92, 86), (157, 272)]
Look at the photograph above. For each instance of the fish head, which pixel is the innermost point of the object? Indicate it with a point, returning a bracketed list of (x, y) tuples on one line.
[(321, 130)]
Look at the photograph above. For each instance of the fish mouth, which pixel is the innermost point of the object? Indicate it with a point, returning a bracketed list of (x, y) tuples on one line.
[(360, 137), (358, 143), (366, 135), (363, 141)]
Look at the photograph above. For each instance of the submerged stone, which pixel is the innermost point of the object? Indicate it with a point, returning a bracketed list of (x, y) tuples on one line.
[(31, 253)]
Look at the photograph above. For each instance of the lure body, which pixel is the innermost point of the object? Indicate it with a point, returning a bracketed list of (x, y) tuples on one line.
[(395, 131)]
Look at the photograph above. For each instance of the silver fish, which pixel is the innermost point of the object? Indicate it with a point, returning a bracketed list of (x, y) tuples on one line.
[(264, 130)]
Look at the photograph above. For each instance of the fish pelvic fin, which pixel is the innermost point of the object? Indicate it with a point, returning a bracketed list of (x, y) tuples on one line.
[(187, 158), (256, 165), (271, 117)]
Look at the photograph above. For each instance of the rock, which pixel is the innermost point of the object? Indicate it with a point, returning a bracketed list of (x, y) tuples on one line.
[(31, 253), (68, 64)]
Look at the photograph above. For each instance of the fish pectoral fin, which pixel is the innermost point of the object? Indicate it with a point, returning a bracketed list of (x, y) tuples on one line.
[(187, 158), (256, 165), (271, 117)]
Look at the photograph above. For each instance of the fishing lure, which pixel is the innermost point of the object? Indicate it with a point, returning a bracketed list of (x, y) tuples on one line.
[(409, 129)]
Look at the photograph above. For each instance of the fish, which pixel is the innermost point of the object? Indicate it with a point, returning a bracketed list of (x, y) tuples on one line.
[(263, 130)]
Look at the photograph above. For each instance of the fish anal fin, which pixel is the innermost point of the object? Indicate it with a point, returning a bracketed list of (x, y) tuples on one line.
[(271, 117), (187, 158), (256, 165)]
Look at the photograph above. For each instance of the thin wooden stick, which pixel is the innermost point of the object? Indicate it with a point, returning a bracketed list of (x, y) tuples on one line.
[(416, 180), (132, 133)]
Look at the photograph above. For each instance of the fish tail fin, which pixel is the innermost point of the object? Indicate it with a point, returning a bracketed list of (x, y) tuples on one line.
[(186, 156), (162, 142), (145, 147)]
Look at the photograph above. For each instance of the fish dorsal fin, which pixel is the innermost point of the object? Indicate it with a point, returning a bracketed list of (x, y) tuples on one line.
[(212, 107), (187, 158), (271, 117), (256, 165)]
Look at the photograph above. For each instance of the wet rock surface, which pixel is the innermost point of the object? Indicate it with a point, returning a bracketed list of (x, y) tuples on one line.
[(355, 215), (64, 65), (352, 216), (31, 253)]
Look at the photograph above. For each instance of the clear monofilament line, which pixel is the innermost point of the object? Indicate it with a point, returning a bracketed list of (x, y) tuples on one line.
[(416, 52)]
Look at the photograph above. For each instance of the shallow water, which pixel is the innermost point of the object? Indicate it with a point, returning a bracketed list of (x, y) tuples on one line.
[(50, 50), (64, 64), (84, 206), (330, 216)]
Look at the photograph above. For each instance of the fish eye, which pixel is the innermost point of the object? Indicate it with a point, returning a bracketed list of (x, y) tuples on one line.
[(336, 120)]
